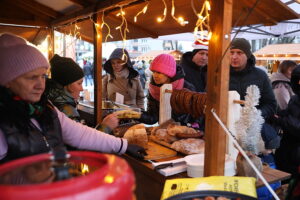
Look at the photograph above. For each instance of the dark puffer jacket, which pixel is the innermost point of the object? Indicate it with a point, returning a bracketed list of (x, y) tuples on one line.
[(251, 75), (194, 74), (151, 116), (22, 135), (288, 155)]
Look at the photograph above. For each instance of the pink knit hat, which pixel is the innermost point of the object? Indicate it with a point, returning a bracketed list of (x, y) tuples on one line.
[(165, 64), (17, 58)]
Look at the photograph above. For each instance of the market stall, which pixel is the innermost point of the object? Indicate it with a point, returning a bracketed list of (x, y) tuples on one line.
[(85, 19)]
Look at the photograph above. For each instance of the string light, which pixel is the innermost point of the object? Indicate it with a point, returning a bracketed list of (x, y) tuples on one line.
[(107, 26), (144, 10), (180, 20), (202, 31), (123, 28), (159, 19)]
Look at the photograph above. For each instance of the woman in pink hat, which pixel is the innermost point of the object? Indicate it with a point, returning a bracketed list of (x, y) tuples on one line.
[(165, 71)]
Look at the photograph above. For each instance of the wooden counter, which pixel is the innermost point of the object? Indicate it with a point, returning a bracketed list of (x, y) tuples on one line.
[(150, 184)]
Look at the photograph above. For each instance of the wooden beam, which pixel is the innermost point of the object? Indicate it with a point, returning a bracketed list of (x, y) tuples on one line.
[(98, 7), (81, 3), (139, 29), (38, 23), (98, 69), (36, 8), (217, 94), (262, 13)]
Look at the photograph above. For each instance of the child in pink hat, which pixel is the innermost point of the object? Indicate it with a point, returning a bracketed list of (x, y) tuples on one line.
[(165, 71)]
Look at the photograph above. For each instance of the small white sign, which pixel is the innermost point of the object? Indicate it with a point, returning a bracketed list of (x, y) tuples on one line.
[(119, 98)]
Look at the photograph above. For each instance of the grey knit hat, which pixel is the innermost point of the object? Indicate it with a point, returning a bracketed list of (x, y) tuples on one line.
[(18, 58), (242, 44)]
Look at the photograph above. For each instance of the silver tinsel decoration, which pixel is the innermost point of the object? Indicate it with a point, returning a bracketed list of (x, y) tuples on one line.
[(248, 127)]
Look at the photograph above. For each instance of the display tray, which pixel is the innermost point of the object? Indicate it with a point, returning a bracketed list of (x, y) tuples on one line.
[(168, 145), (156, 151)]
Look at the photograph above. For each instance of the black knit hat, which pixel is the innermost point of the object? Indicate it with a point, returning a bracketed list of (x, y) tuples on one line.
[(64, 70), (242, 44)]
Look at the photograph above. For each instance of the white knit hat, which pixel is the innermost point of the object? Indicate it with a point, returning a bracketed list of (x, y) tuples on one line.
[(17, 58), (200, 44)]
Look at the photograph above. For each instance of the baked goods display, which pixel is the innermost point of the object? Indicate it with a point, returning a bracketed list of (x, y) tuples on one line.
[(180, 138), (128, 114), (186, 101), (137, 135)]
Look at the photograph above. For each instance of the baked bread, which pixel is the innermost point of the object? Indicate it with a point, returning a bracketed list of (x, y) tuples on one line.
[(128, 114), (137, 135), (182, 131), (189, 146)]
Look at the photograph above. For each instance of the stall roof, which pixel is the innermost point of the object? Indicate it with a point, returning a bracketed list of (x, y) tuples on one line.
[(42, 14), (279, 52)]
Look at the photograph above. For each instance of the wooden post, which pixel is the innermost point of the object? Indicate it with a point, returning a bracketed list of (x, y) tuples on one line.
[(98, 69), (217, 94)]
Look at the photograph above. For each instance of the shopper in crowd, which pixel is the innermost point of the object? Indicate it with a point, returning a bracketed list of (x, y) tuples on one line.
[(29, 123), (164, 71), (281, 83), (64, 87), (288, 155), (194, 64), (122, 78), (243, 73)]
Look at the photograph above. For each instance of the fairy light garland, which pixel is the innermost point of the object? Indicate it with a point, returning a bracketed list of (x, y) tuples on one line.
[(202, 31), (123, 28), (159, 19), (180, 19), (144, 10)]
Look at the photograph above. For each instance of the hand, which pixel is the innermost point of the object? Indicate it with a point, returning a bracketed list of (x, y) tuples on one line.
[(111, 120), (136, 151)]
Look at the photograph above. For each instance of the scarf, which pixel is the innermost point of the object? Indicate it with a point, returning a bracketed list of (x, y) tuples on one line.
[(155, 90), (122, 74)]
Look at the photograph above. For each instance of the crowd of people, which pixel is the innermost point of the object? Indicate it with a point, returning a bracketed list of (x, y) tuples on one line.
[(37, 114)]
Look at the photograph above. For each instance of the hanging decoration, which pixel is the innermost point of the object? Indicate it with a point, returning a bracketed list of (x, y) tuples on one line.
[(202, 31), (180, 19), (123, 28), (159, 19), (144, 10)]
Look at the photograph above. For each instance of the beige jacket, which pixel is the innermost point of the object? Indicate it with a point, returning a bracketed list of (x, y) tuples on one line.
[(133, 96)]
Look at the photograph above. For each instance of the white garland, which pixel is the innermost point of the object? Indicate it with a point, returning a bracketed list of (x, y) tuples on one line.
[(248, 127)]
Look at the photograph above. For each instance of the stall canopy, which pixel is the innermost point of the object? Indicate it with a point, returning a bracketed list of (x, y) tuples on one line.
[(32, 18), (150, 55), (279, 52)]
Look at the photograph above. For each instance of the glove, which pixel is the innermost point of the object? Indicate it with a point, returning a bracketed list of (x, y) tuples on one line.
[(136, 151)]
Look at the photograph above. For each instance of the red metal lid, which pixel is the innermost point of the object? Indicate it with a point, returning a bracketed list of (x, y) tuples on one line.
[(93, 175)]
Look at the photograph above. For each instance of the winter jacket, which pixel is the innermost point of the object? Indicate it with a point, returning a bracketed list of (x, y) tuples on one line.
[(151, 116), (62, 99), (282, 89), (240, 80), (129, 87), (15, 118), (65, 102), (194, 74), (288, 155)]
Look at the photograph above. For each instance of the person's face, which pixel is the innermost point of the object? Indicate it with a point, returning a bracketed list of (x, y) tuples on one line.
[(75, 88), (160, 78), (117, 65), (288, 73), (201, 58), (238, 59), (29, 86)]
